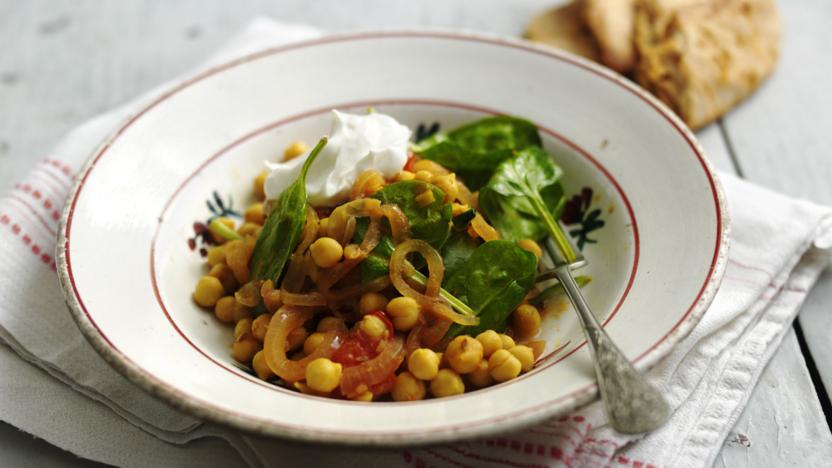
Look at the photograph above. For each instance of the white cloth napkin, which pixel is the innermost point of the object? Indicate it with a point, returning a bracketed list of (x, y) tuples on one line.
[(65, 393)]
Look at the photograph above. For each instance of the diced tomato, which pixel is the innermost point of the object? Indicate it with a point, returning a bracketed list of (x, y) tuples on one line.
[(410, 161), (353, 351), (358, 347)]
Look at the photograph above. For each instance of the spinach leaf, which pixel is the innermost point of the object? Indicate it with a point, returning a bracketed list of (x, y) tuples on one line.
[(456, 252), (496, 133), (493, 281), (515, 199), (431, 223), (283, 227), (474, 150), (515, 217)]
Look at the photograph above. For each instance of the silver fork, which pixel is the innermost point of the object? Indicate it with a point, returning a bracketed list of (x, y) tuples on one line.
[(633, 405)]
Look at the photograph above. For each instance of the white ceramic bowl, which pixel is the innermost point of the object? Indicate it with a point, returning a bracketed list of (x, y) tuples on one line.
[(128, 272)]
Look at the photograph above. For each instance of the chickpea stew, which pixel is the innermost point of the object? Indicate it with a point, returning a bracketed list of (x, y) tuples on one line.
[(414, 283)]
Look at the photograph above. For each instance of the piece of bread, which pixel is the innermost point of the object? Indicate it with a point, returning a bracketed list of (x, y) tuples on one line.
[(564, 28), (701, 57), (612, 24)]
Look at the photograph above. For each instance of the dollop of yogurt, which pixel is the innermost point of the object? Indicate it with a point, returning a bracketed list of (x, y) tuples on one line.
[(356, 143)]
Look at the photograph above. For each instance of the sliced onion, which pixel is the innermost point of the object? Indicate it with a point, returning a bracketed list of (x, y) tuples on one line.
[(465, 196), (327, 278), (310, 230), (429, 300), (483, 229), (284, 321), (367, 183), (249, 294), (296, 272), (399, 225), (350, 292), (271, 296), (374, 371), (426, 335), (309, 299)]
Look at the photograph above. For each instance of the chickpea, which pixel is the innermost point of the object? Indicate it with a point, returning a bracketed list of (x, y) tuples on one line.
[(260, 326), (525, 355), (408, 388), (464, 354), (429, 166), (240, 312), (221, 272), (502, 365), (480, 377), (424, 176), (373, 326), (216, 255), (250, 229), (404, 175), (447, 383), (508, 342), (259, 184), (331, 323), (245, 347), (425, 198), (423, 363), (218, 238), (530, 246), (526, 321), (294, 150), (208, 291), (243, 326), (260, 367), (322, 224), (326, 252), (312, 342), (323, 375), (371, 302), (224, 309), (254, 214), (490, 341), (352, 251), (457, 209), (237, 255), (404, 311), (296, 338), (447, 183), (336, 224), (363, 396)]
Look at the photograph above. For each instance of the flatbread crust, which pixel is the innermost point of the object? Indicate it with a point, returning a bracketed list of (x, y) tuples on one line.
[(702, 57), (612, 24), (564, 28)]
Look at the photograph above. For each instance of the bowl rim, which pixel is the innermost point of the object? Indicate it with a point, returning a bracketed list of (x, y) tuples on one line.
[(567, 403)]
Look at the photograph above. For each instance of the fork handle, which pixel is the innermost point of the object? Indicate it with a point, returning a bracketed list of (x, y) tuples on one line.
[(633, 405)]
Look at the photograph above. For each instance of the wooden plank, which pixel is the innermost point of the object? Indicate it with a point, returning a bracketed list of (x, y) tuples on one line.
[(774, 429), (782, 140)]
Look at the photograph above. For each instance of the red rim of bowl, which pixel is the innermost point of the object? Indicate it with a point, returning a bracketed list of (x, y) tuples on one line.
[(525, 417)]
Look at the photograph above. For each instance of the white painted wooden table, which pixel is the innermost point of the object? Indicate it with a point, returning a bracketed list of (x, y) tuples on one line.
[(61, 63)]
